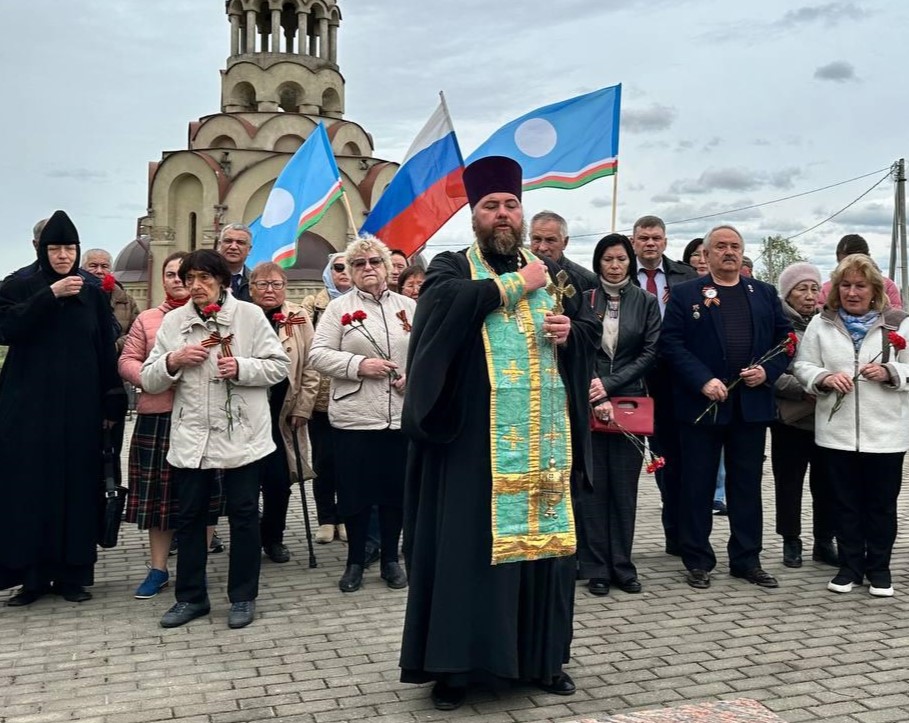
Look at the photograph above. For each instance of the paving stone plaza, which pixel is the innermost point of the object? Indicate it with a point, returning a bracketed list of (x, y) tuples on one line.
[(735, 652)]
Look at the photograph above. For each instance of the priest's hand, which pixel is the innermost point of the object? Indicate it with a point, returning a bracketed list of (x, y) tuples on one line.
[(191, 355), (376, 368), (67, 286), (557, 327), (535, 276)]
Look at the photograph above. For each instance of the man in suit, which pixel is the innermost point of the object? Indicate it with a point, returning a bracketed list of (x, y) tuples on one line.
[(234, 244), (549, 237), (714, 329), (653, 271)]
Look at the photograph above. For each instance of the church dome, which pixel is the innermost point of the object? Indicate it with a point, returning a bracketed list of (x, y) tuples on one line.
[(131, 263)]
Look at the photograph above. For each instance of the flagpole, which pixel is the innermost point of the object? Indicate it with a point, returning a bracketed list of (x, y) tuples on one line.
[(615, 194), (350, 218)]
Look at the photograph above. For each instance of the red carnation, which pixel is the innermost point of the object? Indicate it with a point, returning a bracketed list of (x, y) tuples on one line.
[(211, 309), (346, 319), (279, 318), (108, 283), (358, 315), (896, 341)]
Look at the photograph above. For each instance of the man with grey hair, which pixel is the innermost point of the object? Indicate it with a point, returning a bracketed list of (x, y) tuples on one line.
[(234, 244), (715, 327), (549, 237), (99, 264)]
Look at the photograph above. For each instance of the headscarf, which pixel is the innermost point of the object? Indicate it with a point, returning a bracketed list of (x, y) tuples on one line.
[(58, 231), (858, 326), (327, 279)]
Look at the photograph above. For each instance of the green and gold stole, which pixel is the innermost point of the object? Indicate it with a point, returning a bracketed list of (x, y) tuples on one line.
[(529, 431)]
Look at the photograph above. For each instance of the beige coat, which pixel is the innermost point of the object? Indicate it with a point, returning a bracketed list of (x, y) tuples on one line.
[(202, 436), (296, 339), (362, 403)]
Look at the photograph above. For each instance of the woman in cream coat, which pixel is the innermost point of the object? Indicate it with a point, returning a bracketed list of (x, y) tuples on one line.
[(850, 356)]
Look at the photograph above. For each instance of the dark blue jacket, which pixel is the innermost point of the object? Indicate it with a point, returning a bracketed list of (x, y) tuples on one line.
[(693, 342)]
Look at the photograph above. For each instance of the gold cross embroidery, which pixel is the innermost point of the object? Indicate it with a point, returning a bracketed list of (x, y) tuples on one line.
[(560, 290), (511, 285), (513, 438), (512, 372), (552, 436)]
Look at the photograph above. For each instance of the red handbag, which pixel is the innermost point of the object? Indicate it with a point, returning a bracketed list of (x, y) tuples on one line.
[(629, 414)]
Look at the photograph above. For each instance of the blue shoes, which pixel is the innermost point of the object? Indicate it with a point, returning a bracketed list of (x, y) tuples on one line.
[(152, 585)]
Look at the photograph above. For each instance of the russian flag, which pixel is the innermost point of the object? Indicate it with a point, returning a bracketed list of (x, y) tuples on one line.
[(427, 190)]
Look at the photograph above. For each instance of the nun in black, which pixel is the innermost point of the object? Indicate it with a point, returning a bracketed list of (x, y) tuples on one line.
[(58, 386)]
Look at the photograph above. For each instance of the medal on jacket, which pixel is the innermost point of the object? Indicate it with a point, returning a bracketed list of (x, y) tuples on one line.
[(695, 311), (710, 296)]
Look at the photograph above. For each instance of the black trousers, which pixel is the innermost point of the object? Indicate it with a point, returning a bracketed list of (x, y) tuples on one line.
[(743, 443), (665, 442), (866, 487), (325, 485), (275, 496), (606, 511), (391, 520), (241, 489), (792, 450)]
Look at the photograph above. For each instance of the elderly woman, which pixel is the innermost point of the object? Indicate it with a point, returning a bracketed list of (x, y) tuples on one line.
[(361, 343), (410, 281), (58, 388), (631, 329), (695, 255), (325, 487), (793, 447), (852, 358), (220, 355), (290, 401)]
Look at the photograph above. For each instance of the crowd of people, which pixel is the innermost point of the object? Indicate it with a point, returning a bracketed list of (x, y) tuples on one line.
[(465, 410)]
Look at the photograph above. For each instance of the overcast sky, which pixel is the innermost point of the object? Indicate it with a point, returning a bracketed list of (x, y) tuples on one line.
[(724, 105)]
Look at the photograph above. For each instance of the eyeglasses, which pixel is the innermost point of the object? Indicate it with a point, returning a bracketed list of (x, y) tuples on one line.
[(338, 267), (276, 285), (373, 261)]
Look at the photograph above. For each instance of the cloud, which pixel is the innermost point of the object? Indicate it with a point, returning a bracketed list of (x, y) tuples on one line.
[(734, 179), (78, 174), (665, 198), (829, 14), (601, 202), (645, 120), (875, 215), (839, 71)]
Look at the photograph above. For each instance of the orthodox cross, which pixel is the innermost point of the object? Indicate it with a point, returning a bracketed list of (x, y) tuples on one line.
[(512, 372), (559, 291), (513, 438)]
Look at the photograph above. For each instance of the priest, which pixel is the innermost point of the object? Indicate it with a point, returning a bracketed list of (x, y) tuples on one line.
[(500, 361)]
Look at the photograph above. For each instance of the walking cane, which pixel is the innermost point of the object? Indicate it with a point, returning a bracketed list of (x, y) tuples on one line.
[(312, 554)]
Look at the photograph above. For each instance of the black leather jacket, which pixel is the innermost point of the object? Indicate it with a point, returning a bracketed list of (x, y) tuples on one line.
[(636, 346)]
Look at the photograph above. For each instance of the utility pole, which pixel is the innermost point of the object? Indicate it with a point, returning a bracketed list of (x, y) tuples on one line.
[(899, 225)]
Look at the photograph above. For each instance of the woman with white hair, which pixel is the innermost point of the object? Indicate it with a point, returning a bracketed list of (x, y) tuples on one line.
[(361, 343)]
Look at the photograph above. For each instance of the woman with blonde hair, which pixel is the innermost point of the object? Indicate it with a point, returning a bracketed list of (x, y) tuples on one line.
[(853, 358)]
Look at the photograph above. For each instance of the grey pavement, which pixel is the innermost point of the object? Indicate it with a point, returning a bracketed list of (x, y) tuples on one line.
[(315, 655)]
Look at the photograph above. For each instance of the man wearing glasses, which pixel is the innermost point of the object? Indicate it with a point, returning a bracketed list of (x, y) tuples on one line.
[(234, 244)]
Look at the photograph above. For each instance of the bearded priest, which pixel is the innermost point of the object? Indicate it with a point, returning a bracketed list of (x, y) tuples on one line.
[(501, 358)]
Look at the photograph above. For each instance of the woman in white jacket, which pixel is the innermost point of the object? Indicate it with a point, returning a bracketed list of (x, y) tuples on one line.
[(220, 355), (852, 357), (361, 343)]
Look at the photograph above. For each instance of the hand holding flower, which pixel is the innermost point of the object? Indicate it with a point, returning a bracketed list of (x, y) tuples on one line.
[(753, 376), (839, 382), (376, 368), (875, 372), (715, 390), (228, 368)]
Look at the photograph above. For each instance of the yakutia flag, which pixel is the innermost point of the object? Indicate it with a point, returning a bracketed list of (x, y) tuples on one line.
[(563, 145), (426, 191), (308, 185)]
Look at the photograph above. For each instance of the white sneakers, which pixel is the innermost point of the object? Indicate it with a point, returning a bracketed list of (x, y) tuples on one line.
[(881, 591), (843, 584)]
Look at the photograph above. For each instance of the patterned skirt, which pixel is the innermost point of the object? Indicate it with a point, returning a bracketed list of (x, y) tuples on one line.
[(152, 502)]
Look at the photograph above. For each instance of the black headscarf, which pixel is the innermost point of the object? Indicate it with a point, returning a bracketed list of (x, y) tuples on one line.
[(58, 231)]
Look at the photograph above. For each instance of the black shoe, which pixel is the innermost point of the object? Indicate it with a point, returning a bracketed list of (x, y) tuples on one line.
[(173, 546), (72, 593), (216, 545), (699, 579), (26, 596), (447, 697), (241, 614), (394, 576), (632, 586), (560, 685), (720, 509), (598, 586), (182, 612), (825, 551), (372, 556), (352, 579), (792, 552), (673, 548), (277, 552), (756, 576)]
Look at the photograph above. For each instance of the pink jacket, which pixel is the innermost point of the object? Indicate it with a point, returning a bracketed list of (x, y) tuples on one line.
[(139, 343)]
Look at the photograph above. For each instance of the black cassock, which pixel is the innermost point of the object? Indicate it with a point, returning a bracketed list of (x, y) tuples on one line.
[(467, 619), (53, 385)]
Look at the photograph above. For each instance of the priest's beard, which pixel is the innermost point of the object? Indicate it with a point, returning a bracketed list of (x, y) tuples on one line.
[(501, 241)]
